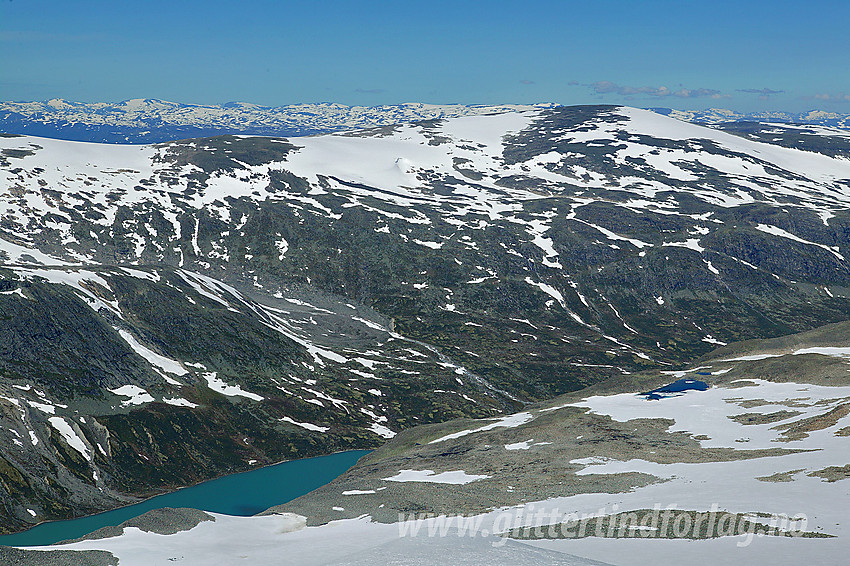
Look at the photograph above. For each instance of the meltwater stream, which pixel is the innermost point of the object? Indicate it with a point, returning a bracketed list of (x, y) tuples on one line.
[(244, 494)]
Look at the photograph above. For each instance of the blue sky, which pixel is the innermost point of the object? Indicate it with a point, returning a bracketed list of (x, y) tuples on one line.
[(744, 55)]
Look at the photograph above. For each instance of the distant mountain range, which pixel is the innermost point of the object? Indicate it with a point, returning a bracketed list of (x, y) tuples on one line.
[(718, 116), (154, 121), (151, 120)]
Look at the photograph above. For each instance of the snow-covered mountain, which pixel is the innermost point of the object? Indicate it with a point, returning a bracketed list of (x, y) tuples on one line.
[(719, 116), (154, 121), (151, 120), (289, 297)]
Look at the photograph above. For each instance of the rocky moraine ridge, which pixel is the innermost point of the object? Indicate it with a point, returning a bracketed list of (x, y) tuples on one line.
[(173, 312)]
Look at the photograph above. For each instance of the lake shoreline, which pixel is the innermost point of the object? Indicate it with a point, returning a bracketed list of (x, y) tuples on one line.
[(340, 461)]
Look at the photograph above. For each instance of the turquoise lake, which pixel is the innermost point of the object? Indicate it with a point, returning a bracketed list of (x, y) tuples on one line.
[(242, 494)]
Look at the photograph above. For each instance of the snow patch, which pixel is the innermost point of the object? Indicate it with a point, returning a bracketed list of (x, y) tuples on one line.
[(509, 421), (69, 434), (308, 426), (221, 386), (429, 476), (137, 395)]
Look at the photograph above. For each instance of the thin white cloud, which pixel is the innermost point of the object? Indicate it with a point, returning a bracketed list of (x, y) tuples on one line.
[(840, 97), (607, 87)]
